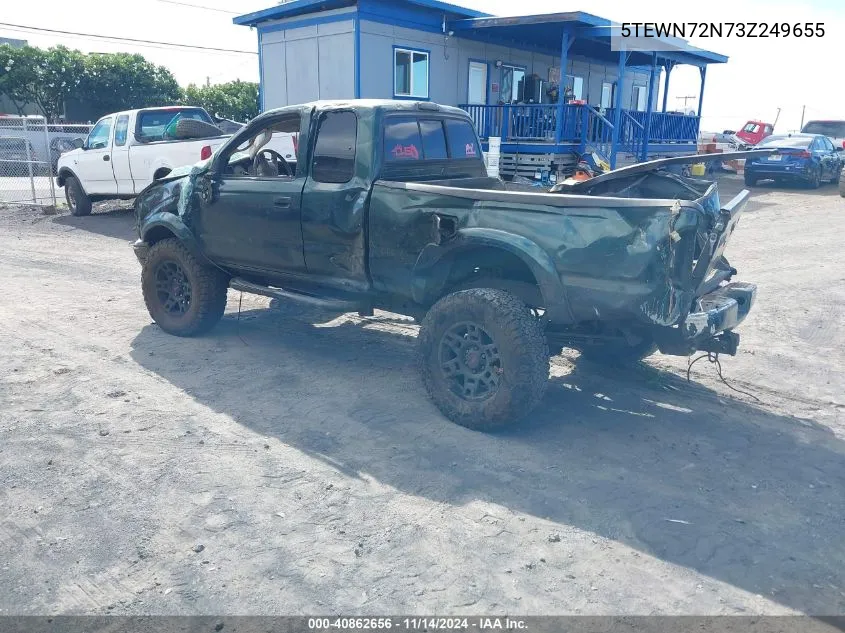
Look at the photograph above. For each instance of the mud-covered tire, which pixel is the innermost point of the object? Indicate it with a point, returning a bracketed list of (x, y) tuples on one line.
[(842, 183), (750, 181), (77, 200), (191, 128), (517, 342), (207, 290), (619, 353)]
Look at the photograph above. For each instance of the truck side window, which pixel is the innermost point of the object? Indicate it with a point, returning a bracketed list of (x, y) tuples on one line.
[(120, 129), (334, 152), (99, 136), (402, 139), (433, 140), (462, 140)]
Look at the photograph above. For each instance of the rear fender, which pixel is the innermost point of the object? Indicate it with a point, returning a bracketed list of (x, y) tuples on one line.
[(435, 261)]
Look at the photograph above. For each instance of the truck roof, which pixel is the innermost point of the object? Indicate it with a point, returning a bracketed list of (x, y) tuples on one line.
[(373, 104)]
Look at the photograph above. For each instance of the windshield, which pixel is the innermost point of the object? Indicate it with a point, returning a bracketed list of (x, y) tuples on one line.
[(153, 124), (753, 128), (835, 129), (786, 141)]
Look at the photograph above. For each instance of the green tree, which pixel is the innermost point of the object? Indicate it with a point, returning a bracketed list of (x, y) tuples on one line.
[(123, 81), (17, 74), (46, 78), (236, 100)]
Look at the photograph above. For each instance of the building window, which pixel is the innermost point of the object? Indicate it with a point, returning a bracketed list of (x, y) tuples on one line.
[(410, 73)]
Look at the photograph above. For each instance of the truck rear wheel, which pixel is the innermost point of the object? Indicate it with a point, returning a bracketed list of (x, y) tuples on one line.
[(183, 296), (77, 200), (483, 358)]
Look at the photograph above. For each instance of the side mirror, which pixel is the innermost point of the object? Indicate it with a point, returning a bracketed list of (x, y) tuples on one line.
[(78, 143), (839, 148)]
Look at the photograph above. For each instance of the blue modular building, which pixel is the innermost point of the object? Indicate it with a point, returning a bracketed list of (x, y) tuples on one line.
[(549, 86)]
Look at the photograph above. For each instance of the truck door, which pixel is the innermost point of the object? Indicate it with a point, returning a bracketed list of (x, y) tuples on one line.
[(252, 221), (93, 165), (335, 202), (120, 157)]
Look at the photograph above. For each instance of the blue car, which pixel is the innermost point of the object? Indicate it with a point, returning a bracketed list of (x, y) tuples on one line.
[(808, 158)]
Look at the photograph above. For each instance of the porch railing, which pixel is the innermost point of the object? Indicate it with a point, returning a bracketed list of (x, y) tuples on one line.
[(581, 124), (598, 132), (528, 122)]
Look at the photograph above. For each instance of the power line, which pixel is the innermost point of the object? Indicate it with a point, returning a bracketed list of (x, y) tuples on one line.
[(125, 39), (199, 6)]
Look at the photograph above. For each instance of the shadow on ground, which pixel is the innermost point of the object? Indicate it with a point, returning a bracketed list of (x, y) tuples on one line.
[(670, 468), (110, 219)]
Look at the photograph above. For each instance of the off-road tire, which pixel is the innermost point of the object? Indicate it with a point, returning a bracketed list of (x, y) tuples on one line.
[(191, 128), (750, 181), (208, 287), (842, 183), (520, 345), (77, 200), (619, 353)]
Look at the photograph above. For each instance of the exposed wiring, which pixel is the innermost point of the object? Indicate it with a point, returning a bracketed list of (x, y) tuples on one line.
[(138, 42), (713, 358)]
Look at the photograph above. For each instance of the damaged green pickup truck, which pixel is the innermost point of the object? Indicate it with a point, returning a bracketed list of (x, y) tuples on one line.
[(388, 206)]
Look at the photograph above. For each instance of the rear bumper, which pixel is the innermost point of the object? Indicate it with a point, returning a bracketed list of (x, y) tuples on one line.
[(778, 171), (141, 249), (709, 327)]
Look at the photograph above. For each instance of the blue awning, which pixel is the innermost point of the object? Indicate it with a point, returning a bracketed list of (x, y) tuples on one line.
[(592, 37)]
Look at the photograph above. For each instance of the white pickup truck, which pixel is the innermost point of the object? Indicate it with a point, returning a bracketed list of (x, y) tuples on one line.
[(126, 151)]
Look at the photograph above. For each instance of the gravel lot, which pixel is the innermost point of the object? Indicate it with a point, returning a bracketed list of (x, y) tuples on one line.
[(289, 462)]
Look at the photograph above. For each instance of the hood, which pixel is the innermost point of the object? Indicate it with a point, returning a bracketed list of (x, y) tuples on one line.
[(656, 165)]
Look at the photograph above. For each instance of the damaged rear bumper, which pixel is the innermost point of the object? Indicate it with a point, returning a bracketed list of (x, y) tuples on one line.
[(709, 327)]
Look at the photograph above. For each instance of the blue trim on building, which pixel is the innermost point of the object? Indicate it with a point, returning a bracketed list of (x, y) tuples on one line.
[(411, 49), (300, 7), (357, 60), (289, 10), (327, 19)]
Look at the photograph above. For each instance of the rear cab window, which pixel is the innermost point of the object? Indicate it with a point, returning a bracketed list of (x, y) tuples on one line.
[(835, 129), (152, 125), (418, 138)]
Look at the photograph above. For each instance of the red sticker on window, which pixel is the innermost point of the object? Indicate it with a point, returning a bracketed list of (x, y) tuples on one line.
[(405, 151), (470, 149)]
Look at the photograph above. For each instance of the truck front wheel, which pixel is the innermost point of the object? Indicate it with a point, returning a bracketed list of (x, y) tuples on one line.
[(483, 358), (77, 200), (183, 296)]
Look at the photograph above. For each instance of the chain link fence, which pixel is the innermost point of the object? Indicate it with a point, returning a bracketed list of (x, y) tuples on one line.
[(29, 151)]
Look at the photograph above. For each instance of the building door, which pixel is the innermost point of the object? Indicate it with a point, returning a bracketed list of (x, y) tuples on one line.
[(477, 89), (639, 103), (606, 95)]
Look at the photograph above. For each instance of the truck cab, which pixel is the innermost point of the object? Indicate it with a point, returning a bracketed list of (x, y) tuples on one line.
[(754, 131)]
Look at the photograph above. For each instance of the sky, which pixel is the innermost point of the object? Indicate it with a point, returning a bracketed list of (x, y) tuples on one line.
[(761, 76)]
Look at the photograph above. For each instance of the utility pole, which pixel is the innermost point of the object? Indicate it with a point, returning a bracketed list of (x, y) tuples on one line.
[(803, 107)]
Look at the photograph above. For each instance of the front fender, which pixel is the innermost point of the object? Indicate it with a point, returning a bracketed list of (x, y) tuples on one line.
[(430, 273), (158, 224)]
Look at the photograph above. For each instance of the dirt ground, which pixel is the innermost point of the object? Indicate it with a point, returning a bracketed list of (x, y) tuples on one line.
[(289, 462)]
